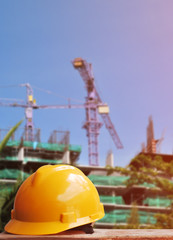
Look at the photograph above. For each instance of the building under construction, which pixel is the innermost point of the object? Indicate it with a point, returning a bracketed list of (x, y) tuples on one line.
[(20, 158)]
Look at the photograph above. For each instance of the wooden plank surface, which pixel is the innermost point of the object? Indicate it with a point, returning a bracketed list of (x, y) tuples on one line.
[(100, 234)]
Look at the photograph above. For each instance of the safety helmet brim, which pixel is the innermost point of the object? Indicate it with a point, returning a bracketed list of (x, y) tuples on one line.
[(44, 228)]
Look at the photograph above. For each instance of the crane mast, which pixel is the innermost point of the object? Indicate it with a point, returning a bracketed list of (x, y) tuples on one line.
[(94, 106), (30, 102)]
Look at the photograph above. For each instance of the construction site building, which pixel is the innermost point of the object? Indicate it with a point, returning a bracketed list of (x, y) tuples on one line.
[(21, 158)]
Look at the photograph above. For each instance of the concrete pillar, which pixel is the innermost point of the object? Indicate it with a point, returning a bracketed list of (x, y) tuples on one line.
[(66, 157), (110, 159), (20, 154)]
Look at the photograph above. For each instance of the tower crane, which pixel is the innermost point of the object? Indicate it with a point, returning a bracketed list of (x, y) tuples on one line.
[(94, 106), (31, 105)]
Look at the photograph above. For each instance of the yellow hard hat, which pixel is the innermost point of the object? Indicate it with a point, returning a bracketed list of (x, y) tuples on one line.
[(53, 199)]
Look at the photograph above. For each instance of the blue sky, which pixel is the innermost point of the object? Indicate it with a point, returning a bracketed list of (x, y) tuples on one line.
[(128, 42)]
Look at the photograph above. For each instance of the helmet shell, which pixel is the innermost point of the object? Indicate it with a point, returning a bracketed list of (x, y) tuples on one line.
[(53, 199)]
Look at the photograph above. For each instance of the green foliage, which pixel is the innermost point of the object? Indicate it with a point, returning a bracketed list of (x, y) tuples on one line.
[(121, 170), (9, 197), (145, 170), (7, 137), (133, 220), (8, 205), (164, 221)]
